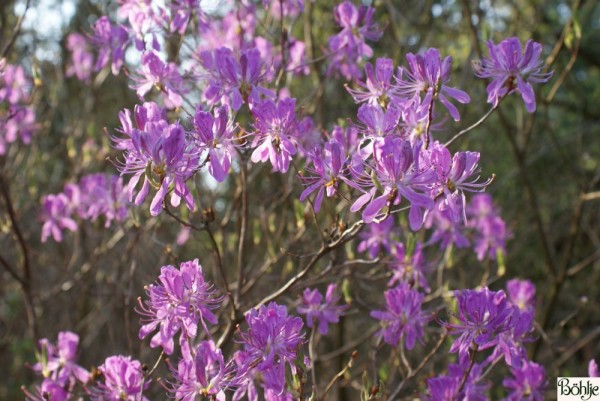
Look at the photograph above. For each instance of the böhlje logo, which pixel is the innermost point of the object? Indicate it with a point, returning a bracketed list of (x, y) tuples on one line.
[(578, 389)]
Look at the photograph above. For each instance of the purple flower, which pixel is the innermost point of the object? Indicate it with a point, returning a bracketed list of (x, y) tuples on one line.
[(163, 76), (375, 90), (407, 266), (375, 236), (235, 82), (446, 387), (328, 167), (429, 75), (275, 133), (82, 61), (349, 47), (377, 122), (512, 70), (215, 135), (205, 375), (521, 293), (48, 391), (160, 153), (403, 318), (272, 341), (291, 8), (315, 309), (123, 380), (14, 85), (490, 229), (443, 388), (445, 230), (58, 361), (178, 301), (593, 369), (482, 316), (56, 216), (245, 379), (17, 122), (528, 383), (396, 170), (103, 196), (111, 41), (454, 177)]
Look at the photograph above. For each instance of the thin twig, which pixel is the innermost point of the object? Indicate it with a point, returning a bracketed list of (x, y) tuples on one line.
[(16, 31), (420, 367), (340, 374), (474, 125)]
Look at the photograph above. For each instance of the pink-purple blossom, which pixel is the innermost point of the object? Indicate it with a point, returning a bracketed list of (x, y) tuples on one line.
[(429, 74), (403, 319), (275, 133), (513, 70), (272, 341), (180, 301), (123, 380), (349, 47), (527, 384), (202, 374), (321, 311)]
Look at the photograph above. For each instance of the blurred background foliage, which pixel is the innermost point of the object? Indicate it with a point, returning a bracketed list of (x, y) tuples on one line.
[(544, 165)]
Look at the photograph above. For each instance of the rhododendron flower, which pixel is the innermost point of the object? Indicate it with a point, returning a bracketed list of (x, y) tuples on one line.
[(204, 375), (271, 342), (56, 215), (164, 76), (448, 387), (528, 383), (111, 41), (376, 88), (446, 231), (316, 310), (512, 70), (235, 82), (160, 154), (48, 391), (328, 166), (408, 267), (375, 236), (491, 231), (180, 300), (215, 135), (396, 167), (82, 60), (456, 174), (403, 318), (348, 47), (58, 361), (123, 380), (521, 293), (593, 368), (482, 316), (275, 133), (377, 122), (429, 75)]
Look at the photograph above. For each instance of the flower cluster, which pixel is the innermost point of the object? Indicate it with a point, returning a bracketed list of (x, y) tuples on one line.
[(95, 195), (180, 301), (403, 318), (123, 380), (316, 310), (57, 363), (202, 373), (512, 70), (272, 341), (17, 117), (348, 47)]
